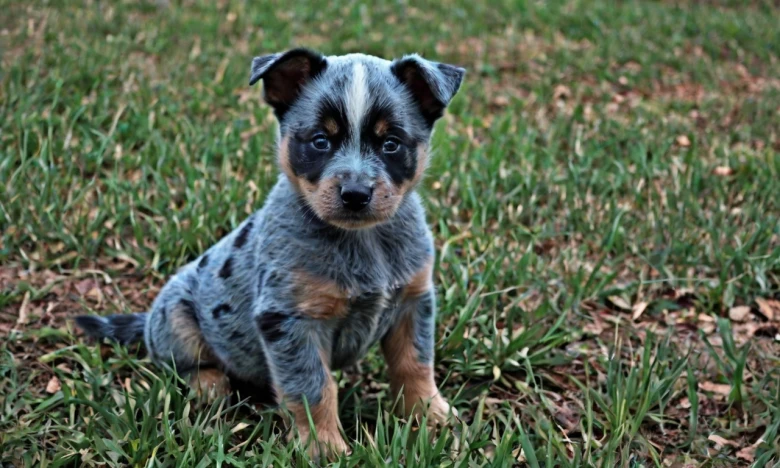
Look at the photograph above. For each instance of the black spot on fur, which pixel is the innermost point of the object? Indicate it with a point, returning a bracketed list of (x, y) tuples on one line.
[(163, 313), (243, 235), (188, 307), (271, 325), (237, 335), (220, 309), (203, 261), (227, 269)]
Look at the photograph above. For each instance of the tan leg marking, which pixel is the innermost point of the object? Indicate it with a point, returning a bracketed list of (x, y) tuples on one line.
[(412, 378), (421, 282), (325, 416), (189, 336)]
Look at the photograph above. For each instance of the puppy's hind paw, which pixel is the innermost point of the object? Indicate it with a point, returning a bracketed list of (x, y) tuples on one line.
[(209, 384)]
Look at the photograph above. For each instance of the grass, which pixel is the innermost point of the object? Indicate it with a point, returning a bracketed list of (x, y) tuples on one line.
[(604, 198)]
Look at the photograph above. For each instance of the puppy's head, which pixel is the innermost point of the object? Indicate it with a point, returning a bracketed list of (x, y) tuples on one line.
[(354, 129)]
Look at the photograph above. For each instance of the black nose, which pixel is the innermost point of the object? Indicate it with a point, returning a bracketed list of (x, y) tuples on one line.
[(355, 196)]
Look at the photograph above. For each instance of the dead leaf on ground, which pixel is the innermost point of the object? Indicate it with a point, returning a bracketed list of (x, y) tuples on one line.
[(749, 453), (723, 171), (561, 92), (53, 386), (721, 441), (638, 309), (739, 313), (619, 302), (22, 320), (769, 308), (683, 141), (721, 389)]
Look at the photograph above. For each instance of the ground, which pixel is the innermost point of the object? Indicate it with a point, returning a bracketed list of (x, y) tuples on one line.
[(604, 194)]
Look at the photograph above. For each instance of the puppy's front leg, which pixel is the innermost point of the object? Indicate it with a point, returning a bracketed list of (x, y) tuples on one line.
[(302, 376), (408, 350)]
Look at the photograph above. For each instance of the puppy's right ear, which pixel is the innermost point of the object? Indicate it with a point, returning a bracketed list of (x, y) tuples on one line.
[(284, 75)]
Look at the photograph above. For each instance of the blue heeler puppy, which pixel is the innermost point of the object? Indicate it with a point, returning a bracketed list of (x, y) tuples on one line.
[(339, 257)]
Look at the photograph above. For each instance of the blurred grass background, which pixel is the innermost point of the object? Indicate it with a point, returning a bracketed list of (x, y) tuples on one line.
[(603, 193)]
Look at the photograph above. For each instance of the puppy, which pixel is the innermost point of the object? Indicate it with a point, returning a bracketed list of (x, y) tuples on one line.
[(339, 257)]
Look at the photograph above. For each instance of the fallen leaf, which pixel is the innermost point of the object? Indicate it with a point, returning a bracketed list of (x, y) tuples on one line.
[(683, 141), (769, 308), (239, 427), (721, 441), (739, 313), (594, 328), (561, 92), (53, 386), (721, 389), (501, 101), (619, 302), (685, 403), (749, 453), (22, 320), (85, 285), (638, 309), (723, 171)]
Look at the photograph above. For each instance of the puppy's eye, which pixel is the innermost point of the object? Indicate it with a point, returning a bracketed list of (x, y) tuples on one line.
[(391, 145), (320, 143)]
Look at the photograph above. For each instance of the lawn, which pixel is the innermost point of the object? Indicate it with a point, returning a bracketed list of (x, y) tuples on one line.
[(604, 195)]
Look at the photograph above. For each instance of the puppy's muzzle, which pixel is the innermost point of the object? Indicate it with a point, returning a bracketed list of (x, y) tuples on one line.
[(355, 196)]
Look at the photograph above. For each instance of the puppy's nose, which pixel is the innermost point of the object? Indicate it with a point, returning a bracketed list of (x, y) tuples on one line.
[(355, 196)]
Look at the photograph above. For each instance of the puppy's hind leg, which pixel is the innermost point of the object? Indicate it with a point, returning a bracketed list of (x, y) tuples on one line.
[(174, 337)]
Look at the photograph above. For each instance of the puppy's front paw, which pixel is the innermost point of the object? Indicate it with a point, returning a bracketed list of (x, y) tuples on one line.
[(327, 445), (436, 409)]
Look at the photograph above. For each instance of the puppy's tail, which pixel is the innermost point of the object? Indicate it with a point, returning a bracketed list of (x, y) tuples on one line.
[(123, 328)]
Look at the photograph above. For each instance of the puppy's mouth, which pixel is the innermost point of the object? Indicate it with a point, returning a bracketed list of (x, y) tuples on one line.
[(351, 207), (351, 221)]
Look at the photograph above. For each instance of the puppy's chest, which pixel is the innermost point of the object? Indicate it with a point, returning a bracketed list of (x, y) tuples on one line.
[(369, 316)]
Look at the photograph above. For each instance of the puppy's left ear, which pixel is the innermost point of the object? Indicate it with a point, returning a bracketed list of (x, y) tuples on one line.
[(432, 84), (284, 75)]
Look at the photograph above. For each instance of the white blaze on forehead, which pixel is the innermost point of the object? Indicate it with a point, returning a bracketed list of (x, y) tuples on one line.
[(357, 99)]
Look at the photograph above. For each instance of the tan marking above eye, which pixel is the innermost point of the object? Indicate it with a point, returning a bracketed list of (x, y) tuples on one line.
[(331, 126), (381, 127)]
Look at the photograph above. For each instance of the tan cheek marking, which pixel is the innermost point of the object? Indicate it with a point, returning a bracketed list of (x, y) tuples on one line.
[(421, 282), (284, 162), (189, 335), (381, 127), (331, 127), (322, 197), (386, 199), (405, 371), (319, 298)]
